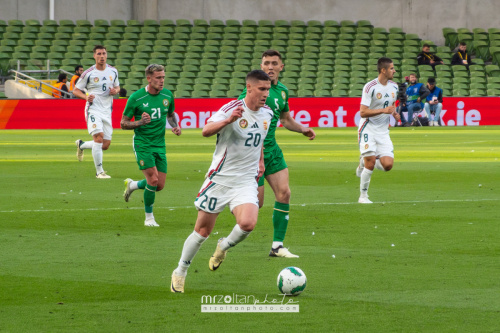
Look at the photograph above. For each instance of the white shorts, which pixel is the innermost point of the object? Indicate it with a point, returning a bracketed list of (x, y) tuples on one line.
[(375, 144), (97, 123), (213, 198)]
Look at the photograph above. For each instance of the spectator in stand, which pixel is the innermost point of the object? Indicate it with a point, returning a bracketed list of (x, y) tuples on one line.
[(461, 57), (74, 78), (122, 93), (427, 58), (416, 92), (61, 85), (434, 102)]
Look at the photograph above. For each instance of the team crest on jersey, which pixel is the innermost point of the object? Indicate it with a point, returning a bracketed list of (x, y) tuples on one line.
[(379, 95), (94, 126), (283, 95), (165, 102), (366, 146), (141, 162), (243, 123), (265, 125), (96, 79)]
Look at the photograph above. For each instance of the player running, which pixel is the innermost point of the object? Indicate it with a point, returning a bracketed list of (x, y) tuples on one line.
[(150, 107), (375, 145), (276, 172), (100, 83), (241, 127)]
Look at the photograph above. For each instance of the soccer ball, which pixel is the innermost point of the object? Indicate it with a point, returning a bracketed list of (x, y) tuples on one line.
[(291, 281)]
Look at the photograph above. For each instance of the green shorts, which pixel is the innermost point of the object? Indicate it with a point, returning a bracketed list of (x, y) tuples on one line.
[(153, 157), (274, 162)]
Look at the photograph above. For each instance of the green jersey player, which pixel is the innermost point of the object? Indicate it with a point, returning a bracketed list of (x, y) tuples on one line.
[(150, 107), (276, 172)]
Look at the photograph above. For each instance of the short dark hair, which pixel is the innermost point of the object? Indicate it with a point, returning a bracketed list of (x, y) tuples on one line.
[(62, 77), (413, 74), (426, 45), (123, 92), (99, 47), (383, 62), (271, 53), (431, 80), (77, 67), (257, 75), (463, 44)]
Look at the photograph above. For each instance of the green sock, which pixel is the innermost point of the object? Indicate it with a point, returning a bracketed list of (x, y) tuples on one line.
[(142, 184), (149, 198), (280, 220)]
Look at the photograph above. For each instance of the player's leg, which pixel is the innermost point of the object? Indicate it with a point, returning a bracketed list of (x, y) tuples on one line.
[(97, 155), (367, 149), (203, 227), (151, 175), (279, 183), (427, 109), (385, 153)]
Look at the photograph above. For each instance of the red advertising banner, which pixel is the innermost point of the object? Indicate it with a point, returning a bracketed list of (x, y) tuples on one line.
[(194, 112)]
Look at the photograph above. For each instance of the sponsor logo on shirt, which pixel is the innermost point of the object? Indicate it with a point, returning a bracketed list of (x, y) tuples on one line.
[(386, 95), (243, 123), (379, 95), (255, 125), (145, 104)]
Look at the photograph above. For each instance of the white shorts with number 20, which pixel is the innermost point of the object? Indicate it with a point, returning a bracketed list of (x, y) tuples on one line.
[(375, 144), (213, 198)]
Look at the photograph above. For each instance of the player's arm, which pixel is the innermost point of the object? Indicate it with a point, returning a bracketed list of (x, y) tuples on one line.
[(127, 124), (172, 121), (366, 112), (290, 124), (214, 127)]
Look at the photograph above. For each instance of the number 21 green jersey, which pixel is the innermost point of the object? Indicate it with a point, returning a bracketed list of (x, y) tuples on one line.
[(157, 106), (278, 102)]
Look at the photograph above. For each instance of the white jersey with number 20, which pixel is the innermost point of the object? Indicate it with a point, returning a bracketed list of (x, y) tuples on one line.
[(237, 152)]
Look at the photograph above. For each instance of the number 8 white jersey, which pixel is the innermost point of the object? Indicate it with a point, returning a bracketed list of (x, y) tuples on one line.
[(98, 83), (239, 144), (377, 96)]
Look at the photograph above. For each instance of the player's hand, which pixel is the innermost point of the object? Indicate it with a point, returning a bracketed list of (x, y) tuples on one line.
[(113, 91), (90, 98), (176, 131), (237, 113), (262, 168), (390, 109), (145, 118), (396, 115), (309, 132)]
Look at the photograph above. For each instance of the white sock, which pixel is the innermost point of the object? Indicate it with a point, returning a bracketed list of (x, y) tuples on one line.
[(379, 165), (366, 175), (191, 247), (150, 216), (235, 237), (87, 145), (277, 244), (134, 185), (97, 155)]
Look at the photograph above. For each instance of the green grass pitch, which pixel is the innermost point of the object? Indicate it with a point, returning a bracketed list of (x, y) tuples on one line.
[(425, 257)]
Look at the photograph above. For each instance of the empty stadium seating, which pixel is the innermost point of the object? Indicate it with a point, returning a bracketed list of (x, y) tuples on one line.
[(211, 59)]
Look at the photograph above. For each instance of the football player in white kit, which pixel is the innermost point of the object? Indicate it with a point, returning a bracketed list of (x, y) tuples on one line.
[(100, 83), (377, 106), (238, 162)]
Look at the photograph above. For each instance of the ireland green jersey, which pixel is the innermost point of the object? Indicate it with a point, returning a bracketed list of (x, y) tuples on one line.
[(157, 106), (278, 102)]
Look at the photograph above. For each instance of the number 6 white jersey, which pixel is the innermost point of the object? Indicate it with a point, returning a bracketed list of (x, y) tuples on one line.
[(239, 144), (377, 96), (98, 83)]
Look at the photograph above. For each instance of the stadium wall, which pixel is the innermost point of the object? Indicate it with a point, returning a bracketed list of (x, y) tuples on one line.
[(423, 17), (194, 112)]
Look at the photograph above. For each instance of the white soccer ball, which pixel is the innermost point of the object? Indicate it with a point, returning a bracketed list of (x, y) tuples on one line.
[(291, 281)]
